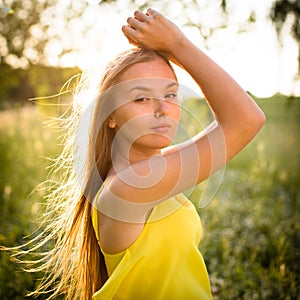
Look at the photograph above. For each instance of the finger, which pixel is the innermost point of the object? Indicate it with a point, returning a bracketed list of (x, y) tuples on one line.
[(135, 23), (140, 16), (128, 31), (131, 41), (151, 12)]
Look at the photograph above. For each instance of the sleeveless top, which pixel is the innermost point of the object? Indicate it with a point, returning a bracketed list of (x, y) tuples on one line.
[(164, 262)]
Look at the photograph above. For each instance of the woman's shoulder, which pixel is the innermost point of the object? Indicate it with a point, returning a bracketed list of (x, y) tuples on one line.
[(120, 222)]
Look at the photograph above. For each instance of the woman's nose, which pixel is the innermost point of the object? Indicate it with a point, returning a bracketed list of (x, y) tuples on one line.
[(161, 108)]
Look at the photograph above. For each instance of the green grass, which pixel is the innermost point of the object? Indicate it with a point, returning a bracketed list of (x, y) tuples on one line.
[(25, 142), (252, 232), (252, 229)]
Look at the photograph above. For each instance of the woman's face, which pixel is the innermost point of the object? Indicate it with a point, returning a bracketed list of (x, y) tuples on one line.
[(147, 118)]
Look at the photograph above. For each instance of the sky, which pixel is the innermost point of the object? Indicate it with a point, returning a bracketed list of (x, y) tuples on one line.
[(253, 57)]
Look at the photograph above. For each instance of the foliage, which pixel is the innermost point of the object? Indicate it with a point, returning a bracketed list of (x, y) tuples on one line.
[(280, 14), (26, 29), (30, 30), (16, 24), (23, 142), (252, 235), (252, 229), (17, 86)]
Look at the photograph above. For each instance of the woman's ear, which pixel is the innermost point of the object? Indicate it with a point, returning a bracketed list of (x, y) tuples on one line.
[(111, 122)]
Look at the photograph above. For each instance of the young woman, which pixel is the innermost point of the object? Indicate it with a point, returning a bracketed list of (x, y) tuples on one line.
[(151, 251), (132, 234)]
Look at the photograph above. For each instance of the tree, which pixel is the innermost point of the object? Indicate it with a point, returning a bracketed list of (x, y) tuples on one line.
[(23, 38), (17, 39), (26, 28), (29, 28), (287, 12)]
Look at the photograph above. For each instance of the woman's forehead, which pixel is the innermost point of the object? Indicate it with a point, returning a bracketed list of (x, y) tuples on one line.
[(154, 68), (150, 84)]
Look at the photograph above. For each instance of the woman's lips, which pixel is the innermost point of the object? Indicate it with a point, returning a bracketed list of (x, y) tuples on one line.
[(162, 128)]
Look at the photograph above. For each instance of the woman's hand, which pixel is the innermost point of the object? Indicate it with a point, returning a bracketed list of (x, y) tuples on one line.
[(153, 31)]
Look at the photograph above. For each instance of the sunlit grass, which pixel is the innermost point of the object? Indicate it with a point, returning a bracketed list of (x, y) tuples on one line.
[(252, 229), (26, 149)]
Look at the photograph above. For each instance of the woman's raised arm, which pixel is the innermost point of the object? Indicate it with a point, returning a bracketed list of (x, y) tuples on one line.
[(237, 115)]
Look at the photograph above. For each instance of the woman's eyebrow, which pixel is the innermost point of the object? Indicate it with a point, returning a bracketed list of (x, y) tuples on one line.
[(172, 84), (140, 88), (146, 89)]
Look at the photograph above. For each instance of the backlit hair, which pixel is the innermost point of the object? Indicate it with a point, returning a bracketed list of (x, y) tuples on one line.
[(75, 265)]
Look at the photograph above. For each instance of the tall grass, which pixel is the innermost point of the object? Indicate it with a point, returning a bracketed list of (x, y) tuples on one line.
[(26, 149), (252, 229)]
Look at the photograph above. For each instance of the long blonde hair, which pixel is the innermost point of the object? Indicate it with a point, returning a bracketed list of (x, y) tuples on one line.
[(75, 265)]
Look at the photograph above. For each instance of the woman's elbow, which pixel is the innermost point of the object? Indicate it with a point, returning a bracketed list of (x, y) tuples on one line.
[(252, 124), (259, 119)]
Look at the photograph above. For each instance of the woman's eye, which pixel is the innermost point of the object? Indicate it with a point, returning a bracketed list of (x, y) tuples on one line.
[(142, 99), (171, 96)]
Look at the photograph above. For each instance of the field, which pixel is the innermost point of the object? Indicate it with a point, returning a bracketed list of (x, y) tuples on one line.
[(251, 241)]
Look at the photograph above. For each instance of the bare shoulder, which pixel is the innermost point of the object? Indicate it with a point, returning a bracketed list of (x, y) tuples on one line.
[(119, 222)]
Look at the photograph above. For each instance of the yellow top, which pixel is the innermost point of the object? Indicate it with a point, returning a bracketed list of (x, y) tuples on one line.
[(164, 262)]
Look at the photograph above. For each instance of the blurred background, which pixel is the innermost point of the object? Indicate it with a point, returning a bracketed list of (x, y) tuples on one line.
[(252, 231)]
